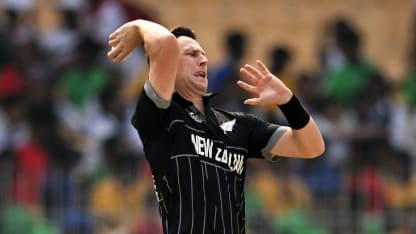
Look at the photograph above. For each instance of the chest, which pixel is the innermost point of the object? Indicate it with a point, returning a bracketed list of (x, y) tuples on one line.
[(208, 140)]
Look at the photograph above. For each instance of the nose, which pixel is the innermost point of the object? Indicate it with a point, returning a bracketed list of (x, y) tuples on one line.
[(203, 61)]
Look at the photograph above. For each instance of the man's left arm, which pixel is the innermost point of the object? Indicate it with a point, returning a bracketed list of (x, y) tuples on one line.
[(302, 138), (306, 142)]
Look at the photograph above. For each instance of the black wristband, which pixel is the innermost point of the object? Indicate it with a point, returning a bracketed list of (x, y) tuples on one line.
[(295, 113)]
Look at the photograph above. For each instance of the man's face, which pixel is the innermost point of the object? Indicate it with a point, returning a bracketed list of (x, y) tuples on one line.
[(191, 77)]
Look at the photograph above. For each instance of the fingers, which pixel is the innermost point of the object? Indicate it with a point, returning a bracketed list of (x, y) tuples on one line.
[(246, 87), (253, 71), (114, 36), (262, 67), (117, 54), (259, 73), (250, 89), (113, 41), (252, 101), (252, 74), (248, 75)]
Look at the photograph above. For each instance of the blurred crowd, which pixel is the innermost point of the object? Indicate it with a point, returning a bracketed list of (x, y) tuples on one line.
[(71, 163)]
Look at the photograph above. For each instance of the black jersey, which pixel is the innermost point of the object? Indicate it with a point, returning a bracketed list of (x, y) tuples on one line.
[(198, 162)]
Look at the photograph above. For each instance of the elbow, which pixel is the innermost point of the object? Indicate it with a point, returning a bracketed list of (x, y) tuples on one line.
[(164, 44), (317, 151), (169, 41), (170, 46), (312, 149)]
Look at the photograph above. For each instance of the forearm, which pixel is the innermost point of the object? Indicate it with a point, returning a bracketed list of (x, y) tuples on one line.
[(309, 139), (161, 47), (304, 138), (154, 36)]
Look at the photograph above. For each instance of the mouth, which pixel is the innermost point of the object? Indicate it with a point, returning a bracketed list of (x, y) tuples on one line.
[(201, 74)]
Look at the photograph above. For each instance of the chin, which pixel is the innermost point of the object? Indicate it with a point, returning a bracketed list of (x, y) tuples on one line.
[(201, 90), (199, 87)]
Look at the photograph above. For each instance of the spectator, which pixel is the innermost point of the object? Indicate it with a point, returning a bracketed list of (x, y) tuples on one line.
[(227, 72), (346, 82)]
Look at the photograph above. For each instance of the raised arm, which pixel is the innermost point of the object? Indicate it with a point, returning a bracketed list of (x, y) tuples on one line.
[(161, 46), (303, 139)]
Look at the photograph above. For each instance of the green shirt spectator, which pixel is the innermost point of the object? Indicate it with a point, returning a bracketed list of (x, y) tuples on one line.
[(347, 82), (410, 89), (86, 76), (81, 84)]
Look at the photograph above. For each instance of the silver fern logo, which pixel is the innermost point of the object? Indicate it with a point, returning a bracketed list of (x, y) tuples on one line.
[(197, 118), (228, 126)]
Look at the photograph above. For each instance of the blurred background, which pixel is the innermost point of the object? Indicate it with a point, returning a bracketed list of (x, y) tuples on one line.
[(70, 162)]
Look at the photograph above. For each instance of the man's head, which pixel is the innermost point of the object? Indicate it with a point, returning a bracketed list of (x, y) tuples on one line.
[(183, 31), (191, 78)]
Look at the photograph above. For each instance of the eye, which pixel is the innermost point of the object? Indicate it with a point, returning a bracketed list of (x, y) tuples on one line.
[(193, 54)]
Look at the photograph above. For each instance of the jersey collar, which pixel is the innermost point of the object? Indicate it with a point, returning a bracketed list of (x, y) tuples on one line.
[(185, 103)]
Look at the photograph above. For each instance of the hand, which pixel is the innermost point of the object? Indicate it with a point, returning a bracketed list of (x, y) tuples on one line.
[(123, 41), (267, 88)]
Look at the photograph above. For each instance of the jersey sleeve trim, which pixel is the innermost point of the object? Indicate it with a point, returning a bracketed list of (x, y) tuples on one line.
[(151, 93), (266, 151)]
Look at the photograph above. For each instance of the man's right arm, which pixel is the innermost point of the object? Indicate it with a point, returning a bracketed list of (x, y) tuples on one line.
[(161, 46)]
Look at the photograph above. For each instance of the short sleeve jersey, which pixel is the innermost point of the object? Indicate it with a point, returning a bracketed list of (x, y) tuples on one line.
[(198, 161)]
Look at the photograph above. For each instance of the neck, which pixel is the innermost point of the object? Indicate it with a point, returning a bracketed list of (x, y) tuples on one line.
[(195, 99)]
